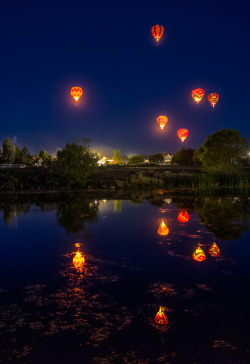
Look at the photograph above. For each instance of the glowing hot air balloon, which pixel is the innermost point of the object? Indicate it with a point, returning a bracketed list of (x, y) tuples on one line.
[(183, 216), (76, 93), (199, 254), (162, 121), (78, 261), (213, 98), (182, 134), (197, 94), (160, 317), (157, 32), (163, 229), (214, 250)]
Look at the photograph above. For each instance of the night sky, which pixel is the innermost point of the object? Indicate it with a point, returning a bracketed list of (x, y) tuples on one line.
[(106, 47)]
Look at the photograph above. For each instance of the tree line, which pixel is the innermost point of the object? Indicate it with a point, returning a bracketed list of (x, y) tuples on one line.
[(223, 152), (14, 154)]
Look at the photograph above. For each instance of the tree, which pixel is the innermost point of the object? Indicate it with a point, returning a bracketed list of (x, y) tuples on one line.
[(135, 159), (17, 156), (73, 213), (184, 157), (11, 152), (46, 157), (76, 163), (117, 156), (7, 150), (156, 158), (223, 151), (25, 155)]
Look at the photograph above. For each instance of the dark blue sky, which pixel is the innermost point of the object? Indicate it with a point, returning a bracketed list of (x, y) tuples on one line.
[(106, 47)]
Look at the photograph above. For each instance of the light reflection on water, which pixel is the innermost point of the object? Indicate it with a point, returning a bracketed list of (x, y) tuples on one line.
[(86, 277)]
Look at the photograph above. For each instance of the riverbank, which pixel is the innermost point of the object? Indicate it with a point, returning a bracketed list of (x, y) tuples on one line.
[(120, 178)]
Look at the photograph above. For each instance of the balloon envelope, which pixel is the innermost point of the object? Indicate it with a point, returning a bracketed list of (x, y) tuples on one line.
[(162, 121), (213, 98), (157, 32), (182, 134), (197, 94), (76, 93)]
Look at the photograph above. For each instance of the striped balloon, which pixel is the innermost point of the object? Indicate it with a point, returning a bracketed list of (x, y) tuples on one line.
[(76, 93), (182, 134)]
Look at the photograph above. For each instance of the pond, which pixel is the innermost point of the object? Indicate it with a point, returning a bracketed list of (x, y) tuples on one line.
[(83, 278)]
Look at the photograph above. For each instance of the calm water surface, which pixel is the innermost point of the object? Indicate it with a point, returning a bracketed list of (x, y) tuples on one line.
[(56, 308)]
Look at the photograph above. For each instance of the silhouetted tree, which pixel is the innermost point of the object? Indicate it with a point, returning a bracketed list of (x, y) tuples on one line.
[(223, 151), (156, 158)]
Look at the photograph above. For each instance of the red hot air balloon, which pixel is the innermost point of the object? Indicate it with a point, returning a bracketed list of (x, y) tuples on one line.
[(213, 98), (76, 93), (183, 216), (197, 94), (162, 121), (182, 134), (157, 32)]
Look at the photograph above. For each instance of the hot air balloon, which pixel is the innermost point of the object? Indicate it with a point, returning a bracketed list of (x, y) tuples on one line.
[(160, 317), (214, 250), (163, 229), (197, 94), (157, 32), (76, 93), (182, 134), (162, 121), (183, 216), (78, 261), (199, 254), (213, 98)]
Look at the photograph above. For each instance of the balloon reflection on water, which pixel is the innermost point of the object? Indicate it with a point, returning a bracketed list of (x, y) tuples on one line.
[(163, 230), (183, 216), (199, 254), (214, 250), (78, 260), (160, 317)]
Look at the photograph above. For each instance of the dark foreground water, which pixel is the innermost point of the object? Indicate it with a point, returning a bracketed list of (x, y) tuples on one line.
[(56, 310)]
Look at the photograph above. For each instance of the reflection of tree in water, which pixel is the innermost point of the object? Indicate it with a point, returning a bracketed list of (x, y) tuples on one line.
[(11, 210), (117, 205), (184, 202), (73, 213), (136, 202), (225, 217)]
